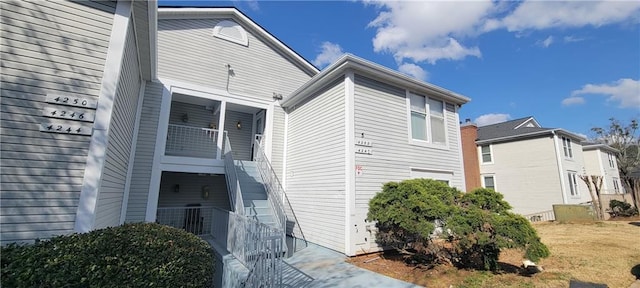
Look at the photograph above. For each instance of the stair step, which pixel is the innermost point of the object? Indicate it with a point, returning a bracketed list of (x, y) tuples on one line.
[(257, 210)]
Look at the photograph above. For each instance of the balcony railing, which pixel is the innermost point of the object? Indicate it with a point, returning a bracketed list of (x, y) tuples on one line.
[(196, 220), (257, 246), (190, 141), (278, 198)]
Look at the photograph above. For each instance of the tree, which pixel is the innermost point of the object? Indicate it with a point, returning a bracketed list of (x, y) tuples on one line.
[(625, 139), (435, 223), (594, 184)]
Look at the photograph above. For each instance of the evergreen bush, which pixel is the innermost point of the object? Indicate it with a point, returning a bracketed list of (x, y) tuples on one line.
[(475, 226), (131, 255)]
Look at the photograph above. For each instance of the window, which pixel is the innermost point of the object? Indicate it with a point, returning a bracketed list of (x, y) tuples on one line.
[(489, 182), (427, 119), (573, 183), (486, 154), (612, 160), (616, 186), (566, 145)]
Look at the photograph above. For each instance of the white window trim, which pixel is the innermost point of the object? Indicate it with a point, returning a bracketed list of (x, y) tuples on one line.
[(495, 186), (480, 154), (427, 143), (616, 185), (569, 149), (244, 41), (573, 181)]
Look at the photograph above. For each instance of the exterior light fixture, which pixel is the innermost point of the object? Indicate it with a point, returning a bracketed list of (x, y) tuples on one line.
[(239, 125)]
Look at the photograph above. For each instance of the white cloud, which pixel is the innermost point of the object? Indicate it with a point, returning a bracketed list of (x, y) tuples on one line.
[(571, 38), (428, 31), (330, 53), (540, 15), (573, 100), (253, 4), (546, 42), (488, 119), (624, 91), (413, 70)]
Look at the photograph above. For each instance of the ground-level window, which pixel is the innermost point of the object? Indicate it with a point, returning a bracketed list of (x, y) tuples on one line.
[(616, 186), (486, 154), (573, 183), (489, 182), (427, 119), (442, 176)]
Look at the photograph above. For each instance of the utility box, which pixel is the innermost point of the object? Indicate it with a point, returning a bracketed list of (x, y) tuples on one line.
[(574, 213)]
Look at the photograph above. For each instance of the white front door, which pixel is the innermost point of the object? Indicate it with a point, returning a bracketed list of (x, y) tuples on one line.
[(258, 134)]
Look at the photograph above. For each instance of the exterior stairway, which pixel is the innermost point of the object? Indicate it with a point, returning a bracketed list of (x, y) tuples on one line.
[(254, 196)]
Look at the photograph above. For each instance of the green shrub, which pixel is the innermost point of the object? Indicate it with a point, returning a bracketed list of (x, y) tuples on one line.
[(475, 225), (131, 255), (624, 209)]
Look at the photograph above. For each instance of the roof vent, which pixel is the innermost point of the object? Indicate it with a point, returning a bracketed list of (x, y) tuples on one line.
[(231, 31)]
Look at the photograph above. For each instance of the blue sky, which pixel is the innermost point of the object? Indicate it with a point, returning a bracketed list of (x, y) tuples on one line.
[(571, 65)]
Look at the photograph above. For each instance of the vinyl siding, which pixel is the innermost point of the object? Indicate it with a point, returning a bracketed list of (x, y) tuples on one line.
[(381, 115), (315, 166), (145, 148), (596, 162), (526, 172), (114, 173), (198, 115), (277, 148), (191, 190), (47, 47), (575, 164), (188, 52), (240, 138)]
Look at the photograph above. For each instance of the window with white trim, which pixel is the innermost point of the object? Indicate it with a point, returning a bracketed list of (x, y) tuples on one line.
[(616, 186), (489, 182), (612, 160), (566, 145), (427, 119), (573, 183), (486, 154)]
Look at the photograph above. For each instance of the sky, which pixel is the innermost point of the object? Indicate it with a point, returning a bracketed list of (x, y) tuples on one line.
[(571, 65)]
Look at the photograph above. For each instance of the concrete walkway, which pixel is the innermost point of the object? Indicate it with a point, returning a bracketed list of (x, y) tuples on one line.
[(322, 267)]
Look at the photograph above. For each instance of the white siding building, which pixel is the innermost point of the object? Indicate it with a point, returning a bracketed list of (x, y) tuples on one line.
[(536, 167), (131, 113)]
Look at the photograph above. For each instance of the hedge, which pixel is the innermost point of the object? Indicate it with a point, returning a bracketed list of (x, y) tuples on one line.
[(131, 255)]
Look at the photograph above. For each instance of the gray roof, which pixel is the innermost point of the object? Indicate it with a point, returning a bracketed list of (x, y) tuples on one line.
[(516, 129), (507, 129)]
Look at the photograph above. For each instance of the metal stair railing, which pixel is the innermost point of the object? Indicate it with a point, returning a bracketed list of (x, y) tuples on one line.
[(276, 192), (233, 183)]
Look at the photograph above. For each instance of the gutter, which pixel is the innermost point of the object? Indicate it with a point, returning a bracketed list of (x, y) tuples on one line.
[(528, 135), (367, 68)]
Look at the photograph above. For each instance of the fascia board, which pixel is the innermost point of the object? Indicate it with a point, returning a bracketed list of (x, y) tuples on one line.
[(367, 68)]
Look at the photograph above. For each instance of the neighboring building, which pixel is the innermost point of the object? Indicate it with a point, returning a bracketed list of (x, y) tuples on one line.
[(600, 159), (112, 112), (533, 167)]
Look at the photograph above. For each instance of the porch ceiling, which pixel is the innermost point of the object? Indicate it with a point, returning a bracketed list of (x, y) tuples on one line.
[(213, 103)]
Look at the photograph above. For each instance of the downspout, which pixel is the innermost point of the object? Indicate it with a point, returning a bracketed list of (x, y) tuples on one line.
[(560, 168)]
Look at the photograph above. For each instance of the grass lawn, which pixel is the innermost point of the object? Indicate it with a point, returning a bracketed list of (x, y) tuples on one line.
[(601, 252)]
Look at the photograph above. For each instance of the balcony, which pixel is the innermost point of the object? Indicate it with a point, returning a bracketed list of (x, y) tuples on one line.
[(187, 141)]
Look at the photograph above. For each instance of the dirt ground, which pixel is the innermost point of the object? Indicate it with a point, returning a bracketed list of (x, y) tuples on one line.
[(601, 252)]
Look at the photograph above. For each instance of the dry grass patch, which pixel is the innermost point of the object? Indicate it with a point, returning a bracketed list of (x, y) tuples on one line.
[(601, 252)]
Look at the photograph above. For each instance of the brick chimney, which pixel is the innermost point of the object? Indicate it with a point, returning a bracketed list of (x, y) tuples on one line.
[(469, 134)]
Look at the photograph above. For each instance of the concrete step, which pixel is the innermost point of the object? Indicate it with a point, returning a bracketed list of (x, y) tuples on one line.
[(256, 203)]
